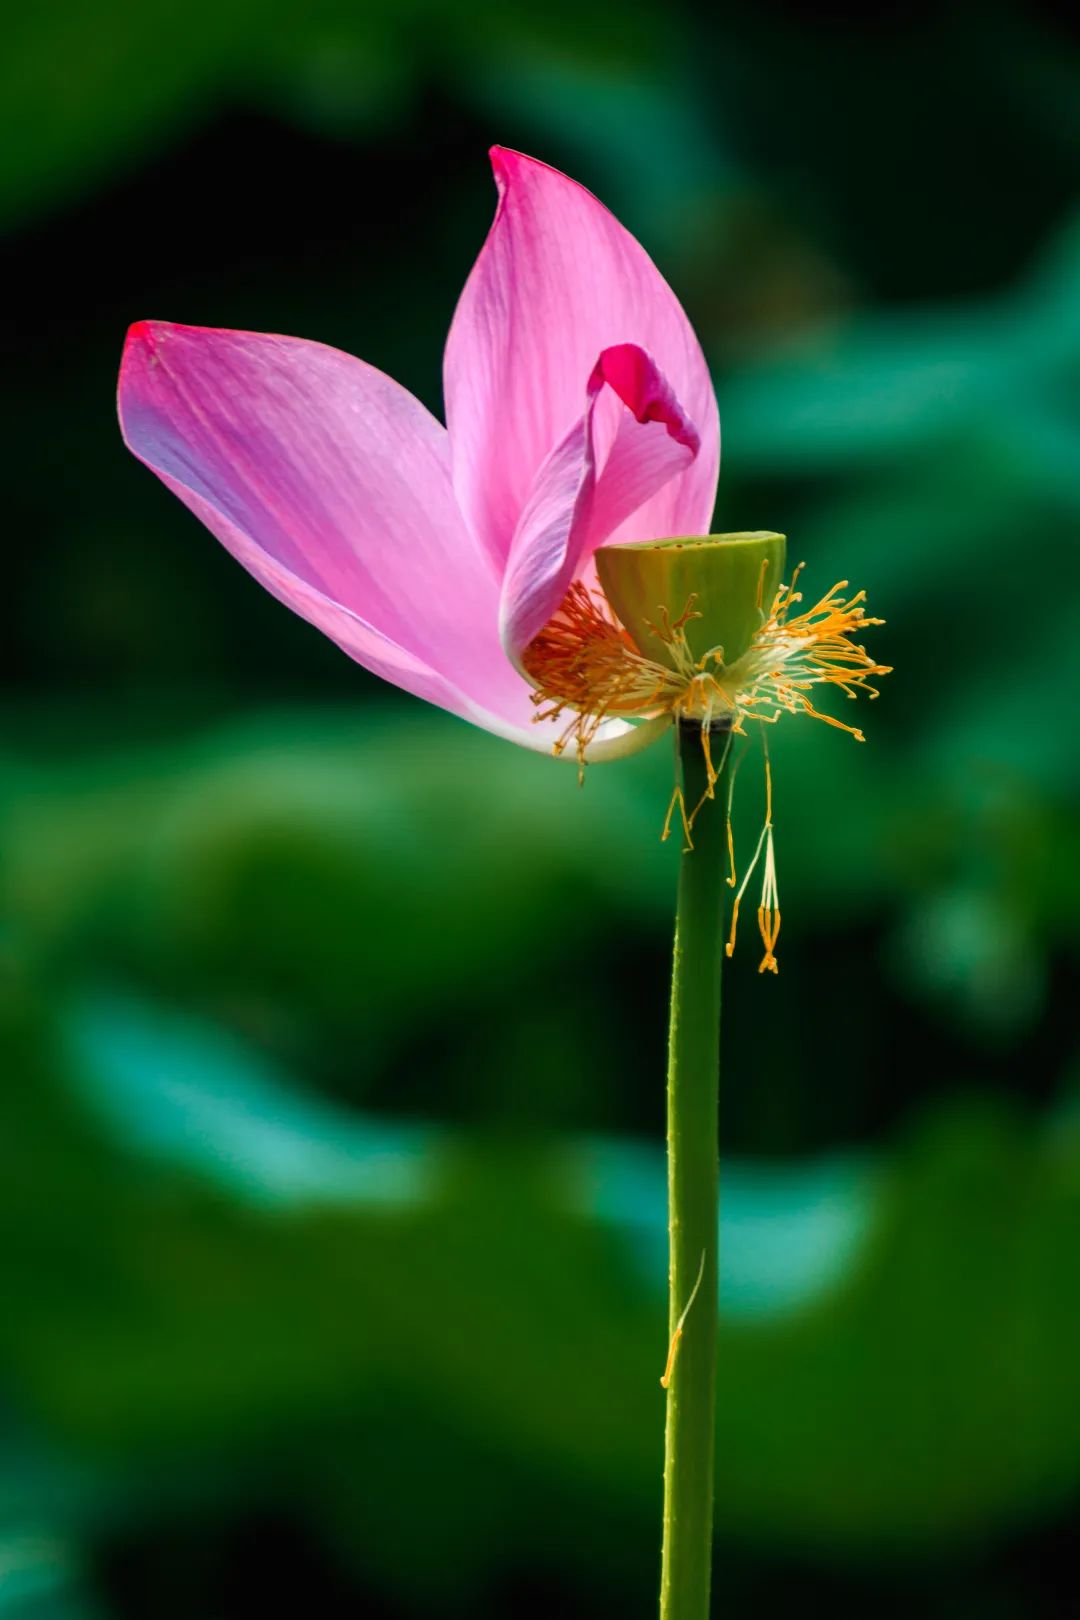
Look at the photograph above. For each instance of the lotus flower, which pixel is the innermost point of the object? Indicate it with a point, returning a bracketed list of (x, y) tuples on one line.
[(545, 553), (579, 412)]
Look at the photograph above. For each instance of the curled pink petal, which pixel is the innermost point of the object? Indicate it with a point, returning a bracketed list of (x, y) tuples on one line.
[(610, 463), (558, 282)]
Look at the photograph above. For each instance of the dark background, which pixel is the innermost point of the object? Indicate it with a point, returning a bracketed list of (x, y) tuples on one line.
[(331, 1031)]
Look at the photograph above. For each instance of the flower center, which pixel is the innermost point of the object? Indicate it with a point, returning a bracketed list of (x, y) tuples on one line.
[(584, 664), (587, 667)]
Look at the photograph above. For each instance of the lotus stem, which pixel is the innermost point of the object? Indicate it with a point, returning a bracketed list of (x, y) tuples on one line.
[(693, 1190)]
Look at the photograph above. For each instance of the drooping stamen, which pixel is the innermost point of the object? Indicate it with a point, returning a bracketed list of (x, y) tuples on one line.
[(677, 802), (713, 773), (769, 908), (731, 878)]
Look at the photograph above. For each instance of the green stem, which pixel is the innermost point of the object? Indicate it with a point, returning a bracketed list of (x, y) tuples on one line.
[(693, 1195)]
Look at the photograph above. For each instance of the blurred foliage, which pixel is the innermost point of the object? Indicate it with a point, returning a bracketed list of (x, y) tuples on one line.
[(217, 1330), (130, 76), (331, 1031)]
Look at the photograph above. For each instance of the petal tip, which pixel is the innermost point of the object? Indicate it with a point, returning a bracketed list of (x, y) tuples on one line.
[(506, 161), (145, 332), (140, 334), (503, 161), (141, 353), (142, 342), (138, 344)]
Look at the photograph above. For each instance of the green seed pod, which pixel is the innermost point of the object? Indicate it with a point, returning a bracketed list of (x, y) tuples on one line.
[(729, 580)]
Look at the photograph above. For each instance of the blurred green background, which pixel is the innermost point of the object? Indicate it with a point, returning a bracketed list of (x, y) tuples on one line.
[(332, 1255)]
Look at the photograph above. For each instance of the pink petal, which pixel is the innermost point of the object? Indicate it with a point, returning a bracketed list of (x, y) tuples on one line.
[(605, 468), (559, 281), (331, 485)]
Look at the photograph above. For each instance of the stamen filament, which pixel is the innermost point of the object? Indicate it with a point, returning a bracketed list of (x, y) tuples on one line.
[(769, 909), (673, 1348)]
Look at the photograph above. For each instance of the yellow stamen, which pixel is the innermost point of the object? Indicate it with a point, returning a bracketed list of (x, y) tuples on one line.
[(678, 798), (586, 666), (678, 801), (769, 909), (584, 661), (730, 946), (732, 879), (789, 656)]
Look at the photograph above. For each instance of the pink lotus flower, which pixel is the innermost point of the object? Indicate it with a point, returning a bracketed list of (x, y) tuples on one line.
[(579, 413)]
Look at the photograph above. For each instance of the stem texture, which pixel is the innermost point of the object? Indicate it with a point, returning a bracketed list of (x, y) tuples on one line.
[(693, 1194)]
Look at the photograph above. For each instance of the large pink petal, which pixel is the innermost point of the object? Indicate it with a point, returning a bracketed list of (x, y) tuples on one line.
[(558, 281), (632, 439), (331, 485)]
